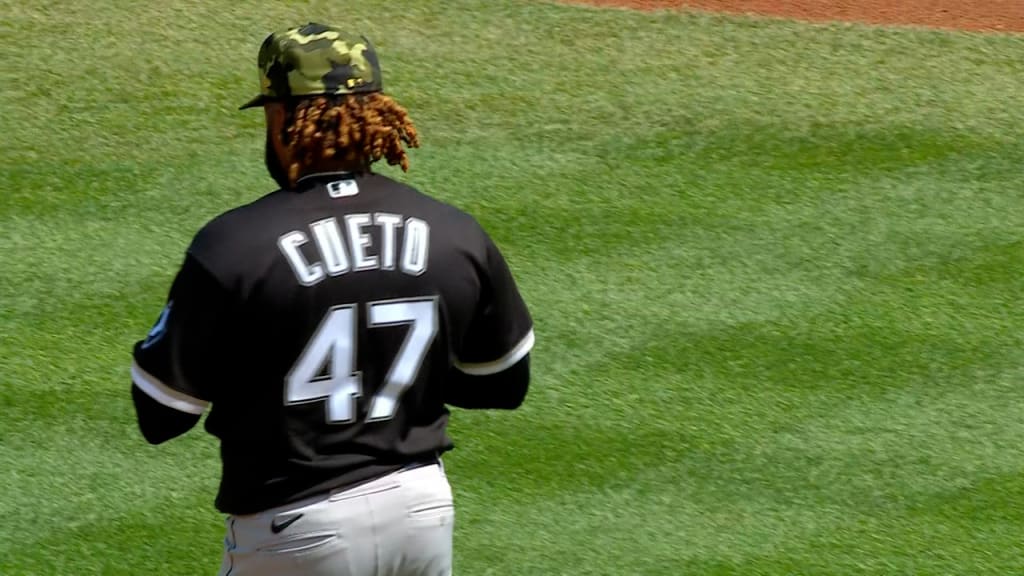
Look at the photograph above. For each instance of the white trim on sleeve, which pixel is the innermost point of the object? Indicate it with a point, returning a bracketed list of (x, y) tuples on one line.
[(164, 394), (504, 363)]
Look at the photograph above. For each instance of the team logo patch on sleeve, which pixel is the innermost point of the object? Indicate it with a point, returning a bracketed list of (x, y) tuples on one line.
[(160, 328)]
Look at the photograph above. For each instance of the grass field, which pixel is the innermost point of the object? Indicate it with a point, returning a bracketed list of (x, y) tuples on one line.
[(775, 270)]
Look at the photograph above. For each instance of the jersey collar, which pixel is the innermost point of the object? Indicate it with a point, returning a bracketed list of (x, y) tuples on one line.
[(314, 178)]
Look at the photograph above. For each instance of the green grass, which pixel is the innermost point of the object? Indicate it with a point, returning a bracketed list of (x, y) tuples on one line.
[(774, 267)]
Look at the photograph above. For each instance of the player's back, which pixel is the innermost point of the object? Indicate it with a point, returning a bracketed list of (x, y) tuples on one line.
[(348, 302)]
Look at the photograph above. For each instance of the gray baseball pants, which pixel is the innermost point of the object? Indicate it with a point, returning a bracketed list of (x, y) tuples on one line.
[(397, 525)]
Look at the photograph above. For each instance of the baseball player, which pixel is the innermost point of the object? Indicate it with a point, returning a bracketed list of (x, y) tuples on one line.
[(326, 326)]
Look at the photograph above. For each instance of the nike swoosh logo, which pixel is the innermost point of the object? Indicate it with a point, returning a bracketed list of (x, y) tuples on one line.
[(276, 527)]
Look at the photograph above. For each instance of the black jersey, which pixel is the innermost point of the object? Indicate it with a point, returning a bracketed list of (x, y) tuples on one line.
[(320, 326)]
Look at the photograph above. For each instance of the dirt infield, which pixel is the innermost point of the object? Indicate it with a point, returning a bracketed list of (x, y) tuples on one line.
[(990, 15)]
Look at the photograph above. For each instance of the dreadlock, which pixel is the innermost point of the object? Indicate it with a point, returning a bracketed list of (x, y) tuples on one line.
[(356, 128)]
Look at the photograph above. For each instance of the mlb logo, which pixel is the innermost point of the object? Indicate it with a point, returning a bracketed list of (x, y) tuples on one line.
[(342, 188)]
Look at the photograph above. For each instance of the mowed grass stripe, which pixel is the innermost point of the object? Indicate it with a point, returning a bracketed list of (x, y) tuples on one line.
[(750, 452), (770, 376), (799, 440), (770, 498), (734, 232)]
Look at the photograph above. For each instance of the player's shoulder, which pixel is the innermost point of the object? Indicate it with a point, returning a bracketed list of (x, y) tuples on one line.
[(429, 205), (230, 236), (240, 220)]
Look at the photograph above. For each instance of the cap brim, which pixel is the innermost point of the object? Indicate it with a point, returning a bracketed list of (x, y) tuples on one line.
[(257, 101)]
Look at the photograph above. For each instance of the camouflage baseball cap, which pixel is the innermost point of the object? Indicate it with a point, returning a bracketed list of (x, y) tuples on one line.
[(315, 59)]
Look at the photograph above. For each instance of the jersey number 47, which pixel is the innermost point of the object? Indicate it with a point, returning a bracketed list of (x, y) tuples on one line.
[(335, 342)]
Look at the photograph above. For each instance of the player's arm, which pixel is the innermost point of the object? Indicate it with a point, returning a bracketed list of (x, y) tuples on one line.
[(171, 367), (492, 366), (504, 390), (157, 422)]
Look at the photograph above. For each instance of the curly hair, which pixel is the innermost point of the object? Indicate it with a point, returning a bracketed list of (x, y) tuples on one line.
[(358, 129)]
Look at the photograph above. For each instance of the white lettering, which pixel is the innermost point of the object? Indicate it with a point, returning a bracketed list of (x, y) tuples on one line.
[(331, 246), (415, 245), (387, 223), (359, 241), (337, 259), (307, 274)]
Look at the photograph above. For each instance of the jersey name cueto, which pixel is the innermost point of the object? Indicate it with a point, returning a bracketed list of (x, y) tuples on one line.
[(346, 245)]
